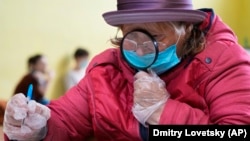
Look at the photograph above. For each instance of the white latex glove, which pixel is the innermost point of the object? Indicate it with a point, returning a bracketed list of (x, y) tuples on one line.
[(25, 121), (150, 94)]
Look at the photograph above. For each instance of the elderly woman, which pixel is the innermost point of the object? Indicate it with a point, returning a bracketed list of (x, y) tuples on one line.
[(198, 74)]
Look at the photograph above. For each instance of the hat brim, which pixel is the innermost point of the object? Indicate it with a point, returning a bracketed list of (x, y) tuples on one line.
[(116, 18)]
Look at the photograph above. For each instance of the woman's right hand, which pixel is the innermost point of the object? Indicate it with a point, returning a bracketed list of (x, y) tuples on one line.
[(25, 120)]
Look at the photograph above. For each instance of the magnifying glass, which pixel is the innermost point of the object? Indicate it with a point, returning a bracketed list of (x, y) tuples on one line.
[(139, 49)]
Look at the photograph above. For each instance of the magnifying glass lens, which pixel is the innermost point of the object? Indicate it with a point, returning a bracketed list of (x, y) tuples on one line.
[(139, 49)]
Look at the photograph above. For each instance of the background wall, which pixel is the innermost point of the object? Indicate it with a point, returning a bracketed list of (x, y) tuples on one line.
[(52, 27), (56, 27), (236, 14), (244, 30)]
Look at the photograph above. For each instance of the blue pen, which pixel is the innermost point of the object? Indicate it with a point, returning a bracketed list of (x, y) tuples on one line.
[(30, 92), (29, 97)]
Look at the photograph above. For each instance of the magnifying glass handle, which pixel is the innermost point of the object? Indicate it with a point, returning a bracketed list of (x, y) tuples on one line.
[(151, 72)]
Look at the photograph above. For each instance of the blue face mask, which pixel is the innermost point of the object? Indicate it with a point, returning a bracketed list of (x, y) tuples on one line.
[(84, 63), (166, 60)]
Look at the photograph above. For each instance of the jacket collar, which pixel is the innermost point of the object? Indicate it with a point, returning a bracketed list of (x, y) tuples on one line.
[(112, 57)]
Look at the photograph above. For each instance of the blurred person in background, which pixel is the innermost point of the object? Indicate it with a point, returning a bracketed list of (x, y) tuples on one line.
[(39, 76), (74, 75)]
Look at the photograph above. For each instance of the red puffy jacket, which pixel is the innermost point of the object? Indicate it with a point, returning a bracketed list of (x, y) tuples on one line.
[(212, 88)]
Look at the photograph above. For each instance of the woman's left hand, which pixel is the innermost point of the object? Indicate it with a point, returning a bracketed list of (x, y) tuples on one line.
[(150, 96)]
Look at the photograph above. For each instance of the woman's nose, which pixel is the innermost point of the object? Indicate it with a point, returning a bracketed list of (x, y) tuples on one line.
[(139, 51)]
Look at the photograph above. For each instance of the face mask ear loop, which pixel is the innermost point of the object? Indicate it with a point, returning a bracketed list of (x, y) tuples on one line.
[(177, 43), (178, 40)]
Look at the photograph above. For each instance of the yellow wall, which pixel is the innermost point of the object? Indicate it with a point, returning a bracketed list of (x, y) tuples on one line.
[(244, 29), (56, 27), (233, 12)]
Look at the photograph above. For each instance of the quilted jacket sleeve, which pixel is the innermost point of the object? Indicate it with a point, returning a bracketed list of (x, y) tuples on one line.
[(70, 118)]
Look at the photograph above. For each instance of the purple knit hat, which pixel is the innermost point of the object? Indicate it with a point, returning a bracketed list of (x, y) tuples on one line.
[(143, 11)]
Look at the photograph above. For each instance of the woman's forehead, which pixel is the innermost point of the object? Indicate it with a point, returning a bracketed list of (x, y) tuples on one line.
[(150, 27)]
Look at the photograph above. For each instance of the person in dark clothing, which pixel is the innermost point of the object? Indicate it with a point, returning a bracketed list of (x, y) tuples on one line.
[(37, 76)]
